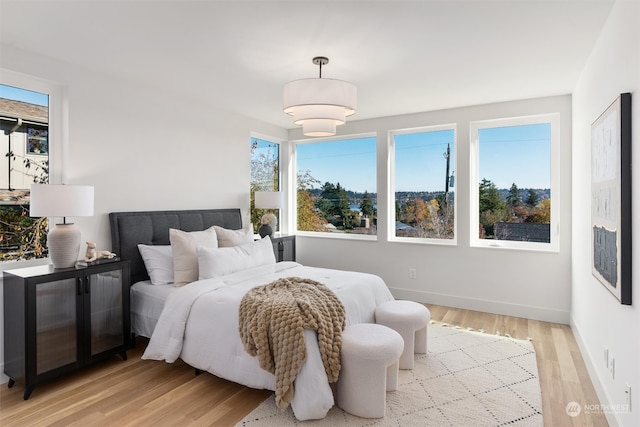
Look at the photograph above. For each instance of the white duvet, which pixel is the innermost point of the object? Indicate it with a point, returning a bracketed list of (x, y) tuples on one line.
[(199, 324)]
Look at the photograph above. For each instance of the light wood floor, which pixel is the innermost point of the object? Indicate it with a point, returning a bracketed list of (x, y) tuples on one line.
[(145, 393)]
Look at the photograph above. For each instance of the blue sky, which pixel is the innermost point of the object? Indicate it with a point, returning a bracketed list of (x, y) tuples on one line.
[(517, 154), (352, 163), (9, 92), (421, 164)]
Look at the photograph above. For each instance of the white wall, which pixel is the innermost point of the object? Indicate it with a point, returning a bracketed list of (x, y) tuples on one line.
[(597, 318), (143, 148), (519, 283)]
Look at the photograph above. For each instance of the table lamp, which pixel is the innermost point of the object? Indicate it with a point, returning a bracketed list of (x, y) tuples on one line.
[(49, 200), (268, 200)]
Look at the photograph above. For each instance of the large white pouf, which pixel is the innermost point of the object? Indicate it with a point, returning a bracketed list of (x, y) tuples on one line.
[(369, 359), (409, 319)]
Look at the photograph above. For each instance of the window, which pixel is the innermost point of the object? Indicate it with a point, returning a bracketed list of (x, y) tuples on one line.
[(24, 145), (514, 182), (423, 184), (336, 186), (265, 173)]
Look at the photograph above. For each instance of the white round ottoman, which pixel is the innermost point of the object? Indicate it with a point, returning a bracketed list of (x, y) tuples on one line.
[(409, 319), (369, 359)]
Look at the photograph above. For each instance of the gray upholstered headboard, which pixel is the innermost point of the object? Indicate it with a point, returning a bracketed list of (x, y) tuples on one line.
[(128, 229)]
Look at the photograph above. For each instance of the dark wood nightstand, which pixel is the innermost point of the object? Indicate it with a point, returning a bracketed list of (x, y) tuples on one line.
[(59, 320), (284, 247)]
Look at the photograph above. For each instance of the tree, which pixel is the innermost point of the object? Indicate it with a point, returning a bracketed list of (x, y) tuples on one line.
[(264, 175), (334, 204), (513, 199), (532, 198), (309, 218), (542, 213), (21, 236), (491, 207), (366, 205)]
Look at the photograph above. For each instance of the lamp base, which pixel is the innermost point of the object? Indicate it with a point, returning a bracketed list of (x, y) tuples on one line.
[(265, 230), (63, 242)]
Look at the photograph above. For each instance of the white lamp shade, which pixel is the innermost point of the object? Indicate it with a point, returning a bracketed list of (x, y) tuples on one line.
[(268, 199), (61, 200), (319, 105), (319, 127), (320, 92)]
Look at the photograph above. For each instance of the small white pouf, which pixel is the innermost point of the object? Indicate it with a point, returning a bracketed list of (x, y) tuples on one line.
[(369, 359), (409, 319)]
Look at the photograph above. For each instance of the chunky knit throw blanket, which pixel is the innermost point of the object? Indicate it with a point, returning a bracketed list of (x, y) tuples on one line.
[(272, 322)]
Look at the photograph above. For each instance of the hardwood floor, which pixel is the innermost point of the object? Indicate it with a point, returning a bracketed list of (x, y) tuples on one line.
[(142, 393)]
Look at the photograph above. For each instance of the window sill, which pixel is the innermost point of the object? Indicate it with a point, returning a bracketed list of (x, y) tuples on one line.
[(343, 236), (10, 265), (516, 246)]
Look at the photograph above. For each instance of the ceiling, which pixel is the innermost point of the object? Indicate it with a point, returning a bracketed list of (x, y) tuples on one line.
[(403, 56)]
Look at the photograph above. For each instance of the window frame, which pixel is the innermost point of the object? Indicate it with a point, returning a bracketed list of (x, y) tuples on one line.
[(391, 232), (282, 187), (58, 130), (554, 184), (294, 186)]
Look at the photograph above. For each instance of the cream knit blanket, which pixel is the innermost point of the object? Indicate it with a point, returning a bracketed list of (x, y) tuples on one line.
[(272, 322)]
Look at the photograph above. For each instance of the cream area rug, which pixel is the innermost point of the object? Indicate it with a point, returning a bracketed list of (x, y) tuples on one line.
[(467, 378)]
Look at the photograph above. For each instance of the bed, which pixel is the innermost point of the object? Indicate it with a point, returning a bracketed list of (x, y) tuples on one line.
[(199, 322)]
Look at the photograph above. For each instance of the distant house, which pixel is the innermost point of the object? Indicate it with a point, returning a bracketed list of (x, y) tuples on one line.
[(25, 134), (523, 232), (404, 227)]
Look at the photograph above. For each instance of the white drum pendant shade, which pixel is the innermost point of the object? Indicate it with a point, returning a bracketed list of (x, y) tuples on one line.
[(319, 105)]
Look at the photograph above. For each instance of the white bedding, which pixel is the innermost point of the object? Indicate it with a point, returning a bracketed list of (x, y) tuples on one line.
[(199, 324), (147, 302)]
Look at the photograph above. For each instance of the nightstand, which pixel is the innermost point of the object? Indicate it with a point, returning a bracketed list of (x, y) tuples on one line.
[(284, 247), (59, 320)]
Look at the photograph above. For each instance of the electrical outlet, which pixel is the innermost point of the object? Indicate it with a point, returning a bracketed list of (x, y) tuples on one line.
[(412, 273), (612, 366), (627, 396)]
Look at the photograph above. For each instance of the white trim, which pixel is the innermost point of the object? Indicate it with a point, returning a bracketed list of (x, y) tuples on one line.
[(58, 135), (58, 117), (485, 306), (282, 180), (293, 170), (554, 120), (391, 212), (612, 417)]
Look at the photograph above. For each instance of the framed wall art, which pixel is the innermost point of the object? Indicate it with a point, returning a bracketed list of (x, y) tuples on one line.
[(611, 198)]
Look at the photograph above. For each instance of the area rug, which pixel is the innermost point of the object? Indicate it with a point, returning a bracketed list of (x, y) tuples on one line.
[(467, 378)]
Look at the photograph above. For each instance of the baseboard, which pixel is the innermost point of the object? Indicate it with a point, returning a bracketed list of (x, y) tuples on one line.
[(612, 417), (487, 306)]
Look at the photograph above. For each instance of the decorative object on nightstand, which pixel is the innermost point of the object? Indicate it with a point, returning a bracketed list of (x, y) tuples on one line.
[(269, 223), (92, 254), (59, 320), (51, 200), (268, 200)]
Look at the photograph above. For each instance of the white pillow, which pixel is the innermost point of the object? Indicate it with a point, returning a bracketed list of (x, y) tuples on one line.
[(227, 238), (185, 257), (159, 263), (221, 261)]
